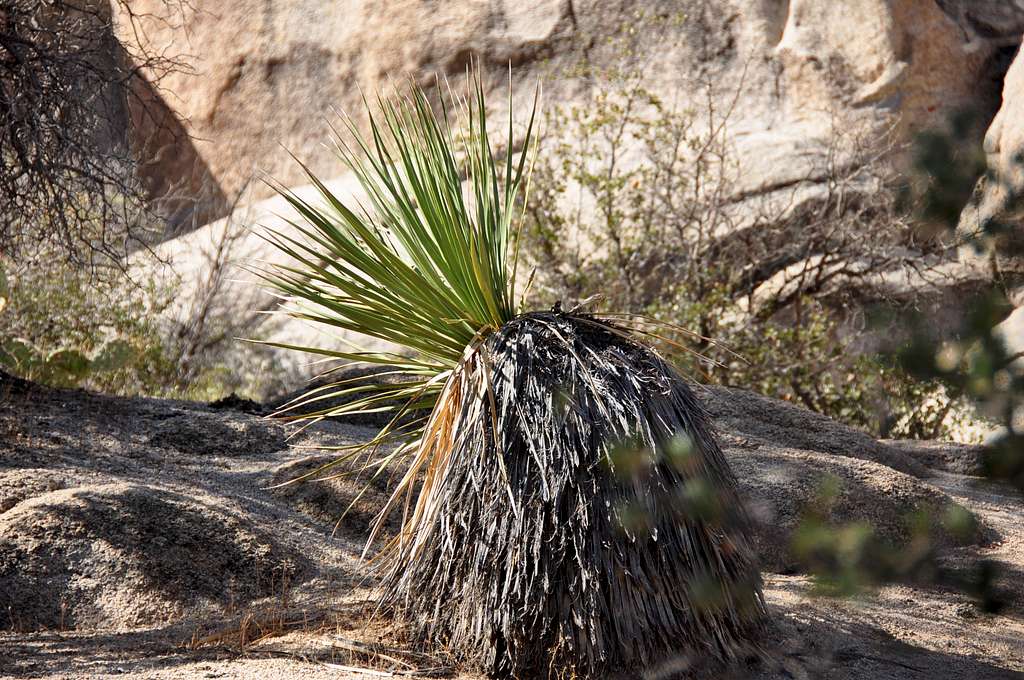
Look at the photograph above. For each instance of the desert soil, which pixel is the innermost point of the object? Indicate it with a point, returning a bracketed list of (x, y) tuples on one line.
[(147, 538)]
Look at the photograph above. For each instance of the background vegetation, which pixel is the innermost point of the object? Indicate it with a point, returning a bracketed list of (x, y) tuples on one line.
[(632, 197), (770, 293), (65, 326)]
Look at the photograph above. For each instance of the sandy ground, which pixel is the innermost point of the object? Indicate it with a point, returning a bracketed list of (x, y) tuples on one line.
[(897, 632), (63, 453)]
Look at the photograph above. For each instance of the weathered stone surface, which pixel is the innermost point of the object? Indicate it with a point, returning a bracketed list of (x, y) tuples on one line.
[(801, 66), (905, 57), (120, 513), (118, 544), (270, 75), (998, 201), (1004, 147), (149, 511), (783, 456), (127, 555)]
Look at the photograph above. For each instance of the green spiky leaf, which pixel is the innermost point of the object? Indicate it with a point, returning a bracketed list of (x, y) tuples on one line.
[(427, 264)]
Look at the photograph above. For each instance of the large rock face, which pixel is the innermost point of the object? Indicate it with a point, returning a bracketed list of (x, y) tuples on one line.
[(795, 75), (120, 114), (113, 555), (997, 197), (998, 200), (906, 57), (268, 75)]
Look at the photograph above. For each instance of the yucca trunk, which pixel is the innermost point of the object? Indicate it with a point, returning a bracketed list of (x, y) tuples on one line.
[(581, 519)]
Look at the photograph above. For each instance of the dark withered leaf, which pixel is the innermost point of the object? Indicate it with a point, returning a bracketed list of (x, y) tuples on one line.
[(529, 567)]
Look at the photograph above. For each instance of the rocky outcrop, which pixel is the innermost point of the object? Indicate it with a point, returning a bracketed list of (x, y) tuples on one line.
[(127, 555), (997, 198), (991, 227), (906, 57), (128, 512), (131, 526), (801, 67), (268, 76)]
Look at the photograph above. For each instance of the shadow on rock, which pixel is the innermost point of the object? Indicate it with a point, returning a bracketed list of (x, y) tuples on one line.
[(123, 555)]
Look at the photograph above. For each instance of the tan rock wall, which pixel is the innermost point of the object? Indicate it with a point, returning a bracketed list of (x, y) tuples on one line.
[(268, 75)]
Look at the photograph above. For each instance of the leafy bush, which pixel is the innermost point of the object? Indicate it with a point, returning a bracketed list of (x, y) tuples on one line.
[(65, 326), (637, 200), (100, 321)]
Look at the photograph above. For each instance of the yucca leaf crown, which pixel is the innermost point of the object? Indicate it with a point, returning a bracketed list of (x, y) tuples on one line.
[(428, 264)]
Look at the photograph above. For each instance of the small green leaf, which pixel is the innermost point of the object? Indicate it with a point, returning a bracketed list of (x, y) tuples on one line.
[(17, 354), (67, 364), (113, 355)]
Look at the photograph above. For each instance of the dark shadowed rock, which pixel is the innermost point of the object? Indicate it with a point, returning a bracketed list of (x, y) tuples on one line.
[(767, 420), (128, 555), (229, 434), (17, 485), (344, 496), (963, 459), (988, 19)]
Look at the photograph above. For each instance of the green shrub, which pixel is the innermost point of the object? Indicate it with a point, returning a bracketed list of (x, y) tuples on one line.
[(66, 326), (636, 200)]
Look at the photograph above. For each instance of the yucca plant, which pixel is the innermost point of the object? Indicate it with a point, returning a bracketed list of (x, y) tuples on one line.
[(566, 509)]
